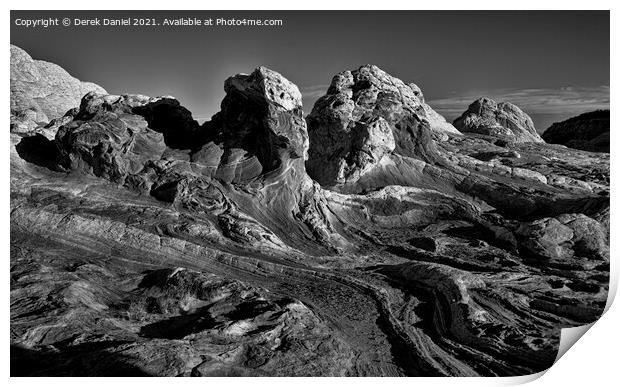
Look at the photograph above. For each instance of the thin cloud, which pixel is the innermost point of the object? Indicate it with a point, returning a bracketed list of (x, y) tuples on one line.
[(563, 100), (312, 92)]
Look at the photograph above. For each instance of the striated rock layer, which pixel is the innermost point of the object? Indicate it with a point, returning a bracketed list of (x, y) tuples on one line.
[(143, 243)]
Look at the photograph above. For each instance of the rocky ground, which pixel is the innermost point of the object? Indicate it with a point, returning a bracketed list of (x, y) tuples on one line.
[(371, 238)]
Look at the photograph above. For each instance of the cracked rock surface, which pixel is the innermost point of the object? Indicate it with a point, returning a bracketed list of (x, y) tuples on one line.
[(373, 240)]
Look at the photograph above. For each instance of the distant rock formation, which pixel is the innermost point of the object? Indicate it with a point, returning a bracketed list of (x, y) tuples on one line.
[(502, 120), (365, 115), (42, 91), (587, 131)]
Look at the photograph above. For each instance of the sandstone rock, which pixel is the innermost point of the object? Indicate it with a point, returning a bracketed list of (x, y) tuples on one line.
[(503, 120), (589, 237), (369, 143), (107, 140), (564, 236), (374, 139), (587, 131), (163, 114), (546, 238), (260, 129), (261, 114), (209, 155), (50, 130), (215, 254), (233, 328), (529, 174), (360, 97), (115, 136), (41, 91)]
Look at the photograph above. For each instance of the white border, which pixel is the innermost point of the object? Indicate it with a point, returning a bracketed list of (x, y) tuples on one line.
[(592, 361)]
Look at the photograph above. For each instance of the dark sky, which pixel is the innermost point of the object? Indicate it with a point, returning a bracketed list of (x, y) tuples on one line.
[(554, 64)]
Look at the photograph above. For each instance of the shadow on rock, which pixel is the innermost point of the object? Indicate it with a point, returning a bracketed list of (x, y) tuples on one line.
[(175, 122), (179, 326), (39, 150), (92, 359)]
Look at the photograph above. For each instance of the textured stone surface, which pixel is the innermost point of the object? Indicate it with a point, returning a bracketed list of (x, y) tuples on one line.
[(502, 120), (589, 236), (587, 131), (107, 139), (546, 238), (142, 244), (260, 127), (357, 99), (170, 322), (41, 91)]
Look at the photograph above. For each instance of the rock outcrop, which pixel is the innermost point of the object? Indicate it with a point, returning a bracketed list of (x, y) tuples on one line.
[(587, 131), (546, 238), (261, 126), (502, 120), (363, 106), (42, 91), (143, 243), (107, 139), (125, 139)]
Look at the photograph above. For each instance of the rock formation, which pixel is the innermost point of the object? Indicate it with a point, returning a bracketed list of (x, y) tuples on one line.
[(143, 243), (587, 131), (502, 120), (41, 91), (261, 126), (362, 109)]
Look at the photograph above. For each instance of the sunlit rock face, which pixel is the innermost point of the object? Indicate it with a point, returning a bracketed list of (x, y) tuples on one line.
[(144, 243), (502, 120), (41, 91), (363, 99)]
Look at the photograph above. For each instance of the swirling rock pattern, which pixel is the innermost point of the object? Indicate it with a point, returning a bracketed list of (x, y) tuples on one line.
[(145, 244), (262, 115)]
